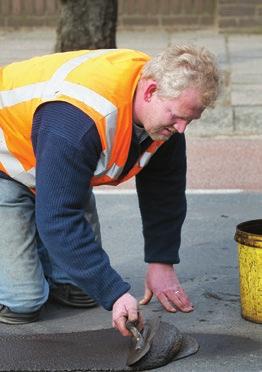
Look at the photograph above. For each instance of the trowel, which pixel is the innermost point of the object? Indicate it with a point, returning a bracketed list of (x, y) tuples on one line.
[(141, 341)]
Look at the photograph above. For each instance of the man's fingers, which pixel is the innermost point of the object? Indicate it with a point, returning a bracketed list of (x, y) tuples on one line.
[(175, 300), (179, 299), (162, 280), (162, 298), (147, 297), (126, 308), (120, 325), (132, 314)]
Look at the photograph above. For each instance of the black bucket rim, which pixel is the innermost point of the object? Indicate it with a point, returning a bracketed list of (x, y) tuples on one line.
[(249, 238)]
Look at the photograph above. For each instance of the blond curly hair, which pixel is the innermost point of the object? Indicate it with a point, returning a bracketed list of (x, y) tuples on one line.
[(185, 66)]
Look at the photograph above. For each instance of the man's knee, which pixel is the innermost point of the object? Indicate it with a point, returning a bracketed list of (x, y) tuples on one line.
[(25, 298), (24, 307)]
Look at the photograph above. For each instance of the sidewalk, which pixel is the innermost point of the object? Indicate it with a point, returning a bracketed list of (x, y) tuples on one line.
[(239, 110)]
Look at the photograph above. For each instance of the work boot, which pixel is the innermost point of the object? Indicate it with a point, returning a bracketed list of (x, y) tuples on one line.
[(68, 294), (9, 317)]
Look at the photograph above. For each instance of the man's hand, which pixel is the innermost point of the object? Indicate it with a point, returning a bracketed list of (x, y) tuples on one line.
[(161, 280), (126, 308)]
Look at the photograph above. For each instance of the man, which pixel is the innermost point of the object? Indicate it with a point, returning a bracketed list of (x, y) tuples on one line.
[(71, 121)]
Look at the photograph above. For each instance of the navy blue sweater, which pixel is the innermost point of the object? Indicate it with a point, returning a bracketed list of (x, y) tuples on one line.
[(67, 148)]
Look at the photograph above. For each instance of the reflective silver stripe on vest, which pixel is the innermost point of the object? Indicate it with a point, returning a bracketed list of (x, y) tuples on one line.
[(13, 165), (114, 172), (52, 86), (49, 90), (57, 85), (103, 161), (103, 107), (18, 95), (27, 178), (87, 96), (145, 158)]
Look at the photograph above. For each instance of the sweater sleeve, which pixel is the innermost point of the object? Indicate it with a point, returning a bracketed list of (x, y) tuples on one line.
[(162, 201), (67, 148)]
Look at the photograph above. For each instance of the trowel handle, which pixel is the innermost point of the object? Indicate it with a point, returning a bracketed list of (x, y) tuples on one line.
[(136, 334)]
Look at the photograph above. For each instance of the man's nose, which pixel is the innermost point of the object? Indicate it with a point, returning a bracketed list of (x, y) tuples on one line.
[(180, 126)]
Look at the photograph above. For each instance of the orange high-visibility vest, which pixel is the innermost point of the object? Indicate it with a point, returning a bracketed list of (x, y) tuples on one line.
[(101, 83)]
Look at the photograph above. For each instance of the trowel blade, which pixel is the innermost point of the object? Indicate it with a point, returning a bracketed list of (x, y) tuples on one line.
[(149, 331)]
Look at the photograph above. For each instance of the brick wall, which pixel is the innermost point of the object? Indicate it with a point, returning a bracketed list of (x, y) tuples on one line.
[(23, 13), (240, 15), (223, 15), (175, 14), (131, 14)]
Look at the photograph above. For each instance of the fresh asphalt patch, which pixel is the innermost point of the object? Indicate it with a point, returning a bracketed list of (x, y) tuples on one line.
[(101, 350)]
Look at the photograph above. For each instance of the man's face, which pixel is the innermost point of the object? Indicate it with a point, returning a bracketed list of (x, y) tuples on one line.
[(162, 117)]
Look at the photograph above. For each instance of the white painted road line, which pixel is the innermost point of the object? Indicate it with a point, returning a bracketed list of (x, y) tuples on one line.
[(192, 191)]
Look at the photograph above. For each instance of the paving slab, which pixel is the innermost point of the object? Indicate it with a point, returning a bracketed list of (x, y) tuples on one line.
[(245, 55), (248, 121), (216, 43), (249, 77), (214, 122), (17, 45), (246, 94), (243, 45), (246, 65), (148, 41)]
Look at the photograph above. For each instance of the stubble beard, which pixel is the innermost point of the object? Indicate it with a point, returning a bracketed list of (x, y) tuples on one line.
[(158, 137)]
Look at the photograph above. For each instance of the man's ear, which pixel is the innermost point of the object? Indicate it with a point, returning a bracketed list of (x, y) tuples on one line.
[(150, 90)]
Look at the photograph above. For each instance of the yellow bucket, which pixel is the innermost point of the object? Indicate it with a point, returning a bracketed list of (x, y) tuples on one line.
[(249, 238)]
